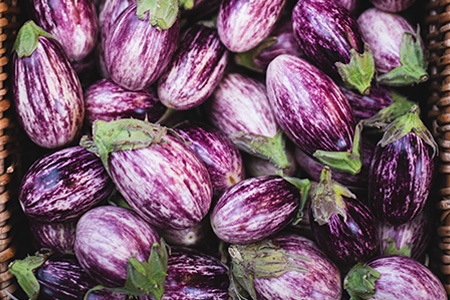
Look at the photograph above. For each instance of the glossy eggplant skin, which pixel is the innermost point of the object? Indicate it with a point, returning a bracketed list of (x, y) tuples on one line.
[(400, 179), (61, 186), (195, 70), (48, 96), (73, 23), (58, 237), (309, 106), (392, 6)]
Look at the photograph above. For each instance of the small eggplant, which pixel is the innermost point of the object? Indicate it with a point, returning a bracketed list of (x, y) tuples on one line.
[(392, 6), (57, 237)]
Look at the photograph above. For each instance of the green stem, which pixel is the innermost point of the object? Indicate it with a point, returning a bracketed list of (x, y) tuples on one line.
[(304, 187), (360, 282), (247, 59), (27, 39), (393, 249)]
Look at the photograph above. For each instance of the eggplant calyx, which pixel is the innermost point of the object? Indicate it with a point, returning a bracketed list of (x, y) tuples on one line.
[(392, 248), (360, 281), (162, 13), (304, 187), (268, 148), (358, 73), (28, 39), (186, 4), (247, 59)]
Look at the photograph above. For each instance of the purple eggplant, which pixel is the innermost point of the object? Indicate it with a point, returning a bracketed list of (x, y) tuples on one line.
[(254, 209), (242, 24), (157, 173), (343, 226), (401, 170), (196, 69), (397, 50), (393, 277), (108, 101), (189, 237), (73, 23), (393, 6), (61, 186), (329, 37), (47, 92), (312, 111), (287, 266), (57, 237), (136, 52), (350, 5), (222, 159), (255, 166)]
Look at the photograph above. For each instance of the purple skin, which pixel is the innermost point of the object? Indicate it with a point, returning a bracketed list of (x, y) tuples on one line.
[(195, 70), (254, 209), (326, 32), (392, 6), (242, 25), (309, 106), (107, 237), (73, 23), (61, 186), (166, 183), (105, 100), (400, 179), (222, 159), (350, 5), (255, 167), (58, 237), (129, 59), (48, 96)]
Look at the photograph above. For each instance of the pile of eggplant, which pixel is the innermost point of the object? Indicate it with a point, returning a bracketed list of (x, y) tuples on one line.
[(234, 149)]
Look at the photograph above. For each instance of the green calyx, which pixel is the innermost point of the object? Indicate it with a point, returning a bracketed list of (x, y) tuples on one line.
[(247, 59), (162, 13), (144, 278), (413, 69), (304, 187), (28, 39), (393, 249), (358, 73), (268, 148), (360, 282), (186, 4)]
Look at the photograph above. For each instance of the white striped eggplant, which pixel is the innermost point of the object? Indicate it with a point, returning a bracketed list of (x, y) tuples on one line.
[(255, 166), (195, 70), (242, 24), (105, 100), (73, 23), (330, 38), (393, 277), (157, 173), (254, 209), (313, 112), (57, 237), (189, 237), (136, 52), (401, 170), (239, 107), (222, 159), (63, 185), (397, 49), (350, 5), (343, 226), (287, 266), (392, 6), (47, 92)]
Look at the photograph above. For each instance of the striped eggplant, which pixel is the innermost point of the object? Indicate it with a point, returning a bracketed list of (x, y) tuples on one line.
[(392, 6), (189, 237), (57, 237), (343, 226), (311, 110), (393, 277), (254, 209), (136, 52), (288, 266), (105, 100), (239, 107), (73, 23), (157, 173), (196, 69), (255, 166), (242, 24), (47, 92), (401, 170), (329, 37), (61, 186), (397, 50), (350, 5), (222, 159)]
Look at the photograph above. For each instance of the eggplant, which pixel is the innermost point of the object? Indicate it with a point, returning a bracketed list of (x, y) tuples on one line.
[(254, 209), (350, 5), (47, 92), (61, 186), (244, 24), (195, 70), (130, 60), (330, 37), (392, 6), (343, 226), (57, 237), (255, 167), (189, 237), (73, 23), (397, 49), (105, 100), (288, 266), (222, 159), (393, 277)]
